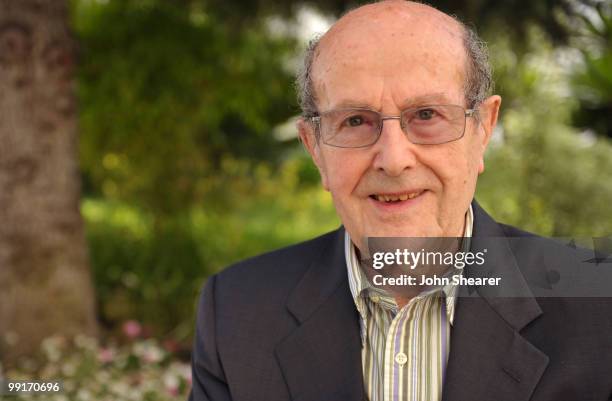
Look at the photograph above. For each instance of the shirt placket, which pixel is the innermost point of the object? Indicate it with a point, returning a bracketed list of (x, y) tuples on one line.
[(399, 355)]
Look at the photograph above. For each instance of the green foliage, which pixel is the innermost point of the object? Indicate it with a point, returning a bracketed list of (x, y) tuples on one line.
[(177, 109), (516, 16), (542, 176), (167, 92), (592, 83), (140, 271), (153, 273)]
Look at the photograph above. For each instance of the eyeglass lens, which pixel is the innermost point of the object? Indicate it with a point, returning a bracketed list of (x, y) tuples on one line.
[(423, 125)]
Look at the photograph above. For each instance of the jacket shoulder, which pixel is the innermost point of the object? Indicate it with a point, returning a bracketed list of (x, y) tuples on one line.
[(511, 231), (557, 249), (293, 259), (270, 277)]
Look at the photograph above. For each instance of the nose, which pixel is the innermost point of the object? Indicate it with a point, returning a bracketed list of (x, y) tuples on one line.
[(394, 153)]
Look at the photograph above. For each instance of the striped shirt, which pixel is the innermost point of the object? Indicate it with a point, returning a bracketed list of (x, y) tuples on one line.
[(404, 352)]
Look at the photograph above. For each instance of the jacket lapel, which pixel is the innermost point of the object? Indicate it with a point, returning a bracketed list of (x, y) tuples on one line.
[(321, 359), (489, 359)]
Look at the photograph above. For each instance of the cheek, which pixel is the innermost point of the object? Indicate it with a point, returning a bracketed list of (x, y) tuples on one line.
[(466, 174), (344, 169), (341, 181), (456, 167)]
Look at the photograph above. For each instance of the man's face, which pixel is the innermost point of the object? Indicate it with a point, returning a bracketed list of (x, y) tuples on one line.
[(388, 62)]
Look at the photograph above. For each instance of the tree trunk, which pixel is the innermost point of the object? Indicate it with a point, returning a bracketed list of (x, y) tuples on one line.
[(45, 282)]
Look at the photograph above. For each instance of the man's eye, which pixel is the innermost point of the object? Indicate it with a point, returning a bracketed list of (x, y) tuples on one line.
[(354, 121), (425, 114)]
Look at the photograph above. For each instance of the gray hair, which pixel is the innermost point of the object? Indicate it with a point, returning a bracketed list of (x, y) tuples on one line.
[(478, 82)]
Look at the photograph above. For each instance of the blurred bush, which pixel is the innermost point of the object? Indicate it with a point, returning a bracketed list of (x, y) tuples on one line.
[(142, 369), (152, 270), (542, 174), (168, 92), (176, 113), (592, 81)]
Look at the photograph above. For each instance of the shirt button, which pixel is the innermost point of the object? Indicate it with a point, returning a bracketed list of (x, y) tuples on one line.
[(401, 358)]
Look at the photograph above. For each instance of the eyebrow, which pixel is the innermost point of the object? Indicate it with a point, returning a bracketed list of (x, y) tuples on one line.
[(430, 98), (352, 104)]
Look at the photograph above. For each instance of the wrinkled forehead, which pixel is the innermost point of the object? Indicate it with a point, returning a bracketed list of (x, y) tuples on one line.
[(396, 41)]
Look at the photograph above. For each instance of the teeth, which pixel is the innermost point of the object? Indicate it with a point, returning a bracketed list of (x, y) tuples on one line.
[(395, 198)]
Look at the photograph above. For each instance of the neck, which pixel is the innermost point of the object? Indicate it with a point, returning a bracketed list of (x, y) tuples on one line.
[(404, 293)]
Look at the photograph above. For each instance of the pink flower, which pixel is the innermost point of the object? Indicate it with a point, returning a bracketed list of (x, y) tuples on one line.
[(152, 355), (132, 329), (173, 391), (171, 345), (106, 355), (172, 385)]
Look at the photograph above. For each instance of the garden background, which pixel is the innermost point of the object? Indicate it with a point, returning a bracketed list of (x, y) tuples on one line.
[(147, 144)]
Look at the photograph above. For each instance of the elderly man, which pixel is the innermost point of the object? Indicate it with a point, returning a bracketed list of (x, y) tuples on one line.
[(397, 117)]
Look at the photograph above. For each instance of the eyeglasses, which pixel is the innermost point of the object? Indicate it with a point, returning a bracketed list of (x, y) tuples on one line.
[(424, 125)]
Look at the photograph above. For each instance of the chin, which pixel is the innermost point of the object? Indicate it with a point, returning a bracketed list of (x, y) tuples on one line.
[(403, 232)]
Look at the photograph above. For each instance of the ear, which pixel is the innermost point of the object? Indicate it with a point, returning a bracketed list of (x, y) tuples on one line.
[(487, 114), (309, 139)]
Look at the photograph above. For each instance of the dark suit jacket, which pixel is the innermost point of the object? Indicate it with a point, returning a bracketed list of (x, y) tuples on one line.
[(283, 326)]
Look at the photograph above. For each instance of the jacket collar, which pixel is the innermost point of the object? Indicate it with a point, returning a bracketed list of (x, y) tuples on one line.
[(513, 299), (321, 280), (489, 359), (321, 358)]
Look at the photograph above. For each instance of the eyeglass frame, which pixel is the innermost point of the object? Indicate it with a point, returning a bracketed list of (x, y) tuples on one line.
[(316, 120)]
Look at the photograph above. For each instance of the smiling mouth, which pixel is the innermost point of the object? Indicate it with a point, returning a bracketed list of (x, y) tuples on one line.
[(391, 198)]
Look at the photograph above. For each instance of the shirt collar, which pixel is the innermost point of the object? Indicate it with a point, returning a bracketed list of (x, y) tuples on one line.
[(361, 288)]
